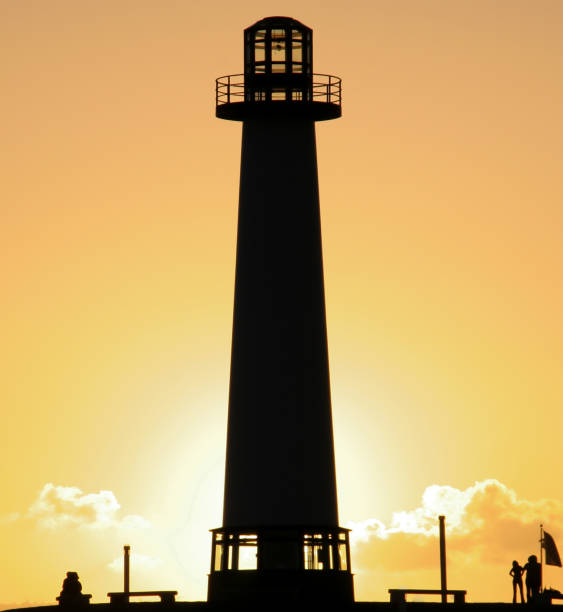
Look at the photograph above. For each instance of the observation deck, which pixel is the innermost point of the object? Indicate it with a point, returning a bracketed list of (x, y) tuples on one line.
[(317, 97)]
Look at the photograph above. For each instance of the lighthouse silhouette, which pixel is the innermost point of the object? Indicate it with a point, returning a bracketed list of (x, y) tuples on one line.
[(280, 538)]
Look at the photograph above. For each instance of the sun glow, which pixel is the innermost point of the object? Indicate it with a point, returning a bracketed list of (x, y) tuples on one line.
[(441, 210)]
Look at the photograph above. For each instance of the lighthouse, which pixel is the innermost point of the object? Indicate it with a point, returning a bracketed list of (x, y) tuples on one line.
[(280, 538)]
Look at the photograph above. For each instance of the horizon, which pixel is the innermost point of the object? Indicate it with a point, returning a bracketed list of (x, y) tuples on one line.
[(440, 197)]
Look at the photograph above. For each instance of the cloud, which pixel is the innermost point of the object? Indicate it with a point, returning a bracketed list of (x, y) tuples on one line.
[(487, 525), (136, 561), (58, 506), (9, 518)]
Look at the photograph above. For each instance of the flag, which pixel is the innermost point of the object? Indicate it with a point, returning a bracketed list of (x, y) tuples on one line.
[(551, 554)]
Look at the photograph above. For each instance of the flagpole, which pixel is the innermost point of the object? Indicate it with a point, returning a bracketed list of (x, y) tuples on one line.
[(541, 558)]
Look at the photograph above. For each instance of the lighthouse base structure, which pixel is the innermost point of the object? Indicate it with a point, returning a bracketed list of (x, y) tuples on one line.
[(280, 586), (285, 564)]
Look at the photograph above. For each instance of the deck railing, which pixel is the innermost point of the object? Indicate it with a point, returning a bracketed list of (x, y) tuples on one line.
[(323, 88)]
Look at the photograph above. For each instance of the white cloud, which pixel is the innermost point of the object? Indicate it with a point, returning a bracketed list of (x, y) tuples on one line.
[(137, 562), (66, 506), (134, 521), (487, 526), (9, 518), (484, 507)]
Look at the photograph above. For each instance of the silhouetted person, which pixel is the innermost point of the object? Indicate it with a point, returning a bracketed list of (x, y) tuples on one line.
[(533, 578), (516, 572), (72, 591)]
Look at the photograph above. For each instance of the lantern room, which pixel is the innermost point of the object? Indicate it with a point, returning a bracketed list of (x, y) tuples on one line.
[(276, 46), (278, 77)]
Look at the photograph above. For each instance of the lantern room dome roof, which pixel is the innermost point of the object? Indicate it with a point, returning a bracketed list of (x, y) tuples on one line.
[(268, 22)]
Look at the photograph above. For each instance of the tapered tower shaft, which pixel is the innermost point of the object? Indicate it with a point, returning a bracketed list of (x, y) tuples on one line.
[(280, 459)]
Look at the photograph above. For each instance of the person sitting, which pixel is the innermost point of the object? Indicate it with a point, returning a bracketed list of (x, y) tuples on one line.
[(71, 593)]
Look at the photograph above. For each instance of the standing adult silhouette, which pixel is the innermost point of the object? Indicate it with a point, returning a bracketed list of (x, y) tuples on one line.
[(516, 572), (533, 578)]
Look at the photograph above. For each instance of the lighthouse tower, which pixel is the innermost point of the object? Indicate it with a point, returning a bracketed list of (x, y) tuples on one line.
[(280, 536)]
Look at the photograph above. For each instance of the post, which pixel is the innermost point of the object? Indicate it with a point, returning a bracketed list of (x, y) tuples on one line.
[(541, 558), (443, 580), (126, 550)]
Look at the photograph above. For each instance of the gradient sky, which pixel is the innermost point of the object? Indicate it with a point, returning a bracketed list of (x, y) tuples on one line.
[(441, 197)]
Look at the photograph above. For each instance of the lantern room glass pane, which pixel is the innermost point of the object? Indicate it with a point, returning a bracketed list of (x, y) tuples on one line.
[(260, 46), (296, 50), (278, 47)]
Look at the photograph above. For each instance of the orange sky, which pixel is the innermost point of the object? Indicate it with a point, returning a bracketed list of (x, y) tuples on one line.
[(441, 196)]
